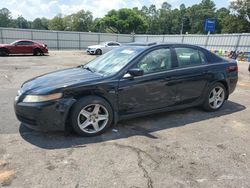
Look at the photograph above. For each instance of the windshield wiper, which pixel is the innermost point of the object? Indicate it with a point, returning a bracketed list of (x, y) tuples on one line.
[(87, 68)]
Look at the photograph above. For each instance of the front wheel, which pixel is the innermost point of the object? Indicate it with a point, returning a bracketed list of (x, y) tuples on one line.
[(91, 116), (37, 52), (215, 98), (98, 52)]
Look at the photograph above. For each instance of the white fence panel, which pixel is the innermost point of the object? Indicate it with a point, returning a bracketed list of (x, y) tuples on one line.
[(68, 44), (244, 43), (89, 37), (155, 38), (14, 34), (141, 38), (125, 38), (80, 40), (108, 37), (68, 36), (173, 38), (44, 35)]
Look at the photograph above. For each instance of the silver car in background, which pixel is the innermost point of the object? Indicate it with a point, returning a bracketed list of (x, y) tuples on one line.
[(102, 48)]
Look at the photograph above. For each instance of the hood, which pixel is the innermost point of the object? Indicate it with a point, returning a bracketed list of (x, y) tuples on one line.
[(96, 46), (58, 80)]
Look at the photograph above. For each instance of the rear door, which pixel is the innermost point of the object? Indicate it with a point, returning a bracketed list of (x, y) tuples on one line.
[(190, 75), (29, 45)]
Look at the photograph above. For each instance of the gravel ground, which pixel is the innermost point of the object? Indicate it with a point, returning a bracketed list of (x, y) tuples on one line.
[(187, 148)]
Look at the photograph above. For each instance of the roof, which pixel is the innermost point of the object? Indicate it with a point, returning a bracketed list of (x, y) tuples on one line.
[(140, 44)]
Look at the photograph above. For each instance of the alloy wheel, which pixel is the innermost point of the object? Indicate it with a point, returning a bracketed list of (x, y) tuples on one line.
[(93, 118), (216, 97)]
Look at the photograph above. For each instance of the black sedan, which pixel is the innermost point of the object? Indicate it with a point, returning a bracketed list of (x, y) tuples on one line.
[(124, 83)]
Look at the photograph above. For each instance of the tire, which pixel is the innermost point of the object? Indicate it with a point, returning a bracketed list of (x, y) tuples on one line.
[(4, 52), (98, 52), (37, 52), (215, 97), (93, 113)]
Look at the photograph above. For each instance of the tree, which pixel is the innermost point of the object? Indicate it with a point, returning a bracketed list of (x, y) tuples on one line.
[(56, 23), (21, 22), (197, 14), (45, 23), (39, 23), (123, 21), (166, 6), (241, 8), (147, 20), (80, 21), (5, 17)]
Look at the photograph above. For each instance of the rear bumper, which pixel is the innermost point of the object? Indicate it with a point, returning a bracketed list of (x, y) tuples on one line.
[(232, 82), (45, 116)]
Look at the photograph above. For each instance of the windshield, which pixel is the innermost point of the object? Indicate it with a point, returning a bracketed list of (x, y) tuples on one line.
[(13, 42), (113, 61)]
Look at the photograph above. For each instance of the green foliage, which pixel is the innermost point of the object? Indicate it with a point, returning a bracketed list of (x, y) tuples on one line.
[(21, 22), (122, 21), (40, 23), (80, 21), (5, 17), (56, 23), (241, 8), (147, 20)]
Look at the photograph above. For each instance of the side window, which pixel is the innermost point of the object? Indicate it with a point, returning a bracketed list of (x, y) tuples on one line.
[(28, 43), (155, 61), (116, 44), (203, 57), (24, 43), (20, 43), (188, 56)]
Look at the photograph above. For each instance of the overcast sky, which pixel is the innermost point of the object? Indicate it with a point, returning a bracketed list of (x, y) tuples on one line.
[(31, 9)]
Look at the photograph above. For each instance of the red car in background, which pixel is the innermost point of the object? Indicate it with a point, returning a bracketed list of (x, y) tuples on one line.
[(23, 47)]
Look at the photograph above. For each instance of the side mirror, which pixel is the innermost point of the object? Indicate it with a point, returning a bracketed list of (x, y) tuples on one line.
[(134, 73)]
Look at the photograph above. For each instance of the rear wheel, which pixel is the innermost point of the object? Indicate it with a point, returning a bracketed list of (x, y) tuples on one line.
[(4, 52), (98, 52), (215, 98), (91, 116)]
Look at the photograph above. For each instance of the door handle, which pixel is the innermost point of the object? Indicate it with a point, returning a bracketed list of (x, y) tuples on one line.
[(168, 79)]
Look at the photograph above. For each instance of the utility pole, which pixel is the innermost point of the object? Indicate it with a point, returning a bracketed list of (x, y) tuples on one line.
[(183, 19), (181, 27)]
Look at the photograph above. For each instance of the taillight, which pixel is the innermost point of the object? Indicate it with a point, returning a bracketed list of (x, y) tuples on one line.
[(232, 68)]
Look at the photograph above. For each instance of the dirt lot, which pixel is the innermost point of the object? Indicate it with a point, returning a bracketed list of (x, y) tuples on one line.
[(188, 148)]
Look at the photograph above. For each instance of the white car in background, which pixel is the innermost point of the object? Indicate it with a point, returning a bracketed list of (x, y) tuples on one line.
[(102, 48)]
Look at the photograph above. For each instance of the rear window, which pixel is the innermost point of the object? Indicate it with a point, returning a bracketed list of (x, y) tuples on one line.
[(188, 56), (211, 57)]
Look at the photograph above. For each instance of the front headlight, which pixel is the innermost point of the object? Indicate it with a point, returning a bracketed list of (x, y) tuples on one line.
[(42, 98)]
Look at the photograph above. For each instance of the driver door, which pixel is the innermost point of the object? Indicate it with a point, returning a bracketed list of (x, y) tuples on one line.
[(150, 91), (21, 47)]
